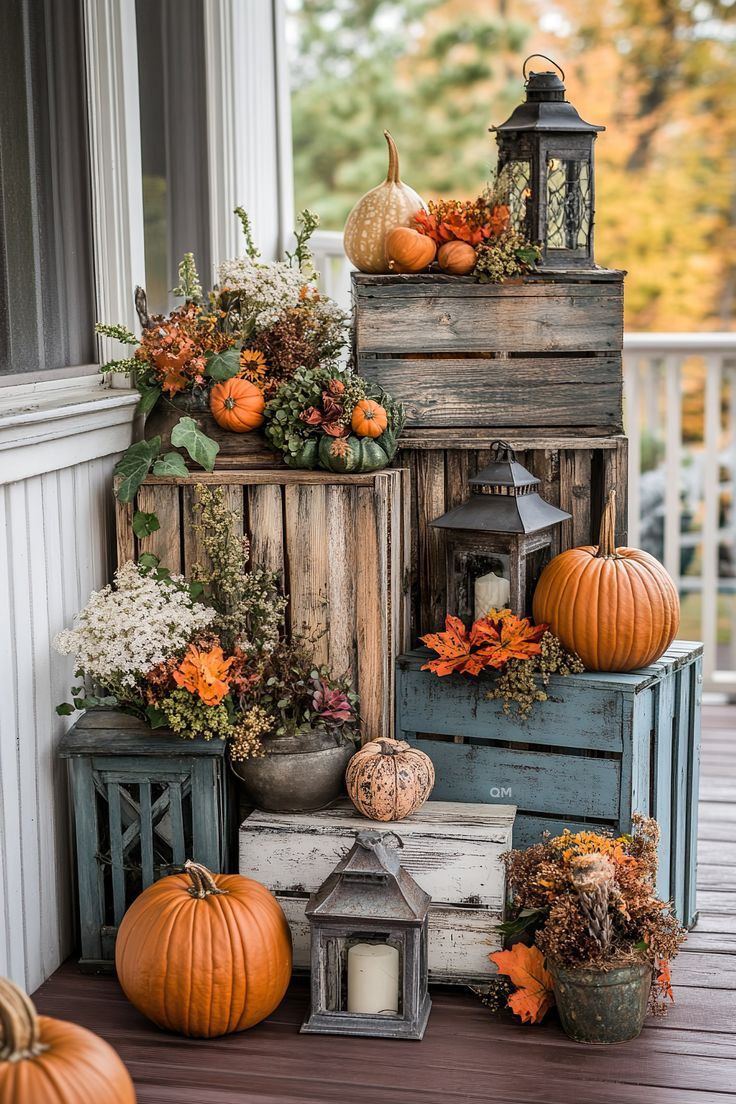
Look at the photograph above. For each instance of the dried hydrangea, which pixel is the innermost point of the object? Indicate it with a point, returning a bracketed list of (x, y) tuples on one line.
[(132, 626), (265, 291), (245, 740), (525, 681), (187, 715)]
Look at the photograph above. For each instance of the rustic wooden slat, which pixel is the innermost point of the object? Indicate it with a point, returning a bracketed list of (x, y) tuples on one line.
[(266, 526), (166, 541), (194, 552), (177, 823), (430, 566), (117, 858), (518, 437), (371, 623), (341, 582), (305, 516), (125, 539), (533, 284), (283, 477), (575, 468), (402, 583), (543, 392)]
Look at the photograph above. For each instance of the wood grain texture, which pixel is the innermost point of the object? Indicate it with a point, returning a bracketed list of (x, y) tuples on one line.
[(467, 1055), (266, 526), (166, 542), (501, 392), (306, 538), (372, 617)]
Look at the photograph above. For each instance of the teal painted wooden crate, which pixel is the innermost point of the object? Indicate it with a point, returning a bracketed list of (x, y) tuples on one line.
[(143, 802), (601, 748)]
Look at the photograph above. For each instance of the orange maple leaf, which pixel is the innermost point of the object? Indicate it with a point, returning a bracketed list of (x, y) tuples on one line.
[(534, 995), (664, 980), (455, 649), (205, 674), (502, 636)]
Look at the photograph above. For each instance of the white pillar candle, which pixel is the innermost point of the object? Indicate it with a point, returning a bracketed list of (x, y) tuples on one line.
[(373, 979), (491, 592)]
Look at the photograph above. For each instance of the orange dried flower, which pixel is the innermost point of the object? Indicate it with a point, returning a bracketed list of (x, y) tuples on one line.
[(205, 674), (491, 642)]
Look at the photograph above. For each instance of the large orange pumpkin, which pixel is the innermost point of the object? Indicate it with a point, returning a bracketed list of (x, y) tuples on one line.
[(369, 419), (408, 250), (616, 607), (47, 1061), (389, 779), (204, 954), (237, 404)]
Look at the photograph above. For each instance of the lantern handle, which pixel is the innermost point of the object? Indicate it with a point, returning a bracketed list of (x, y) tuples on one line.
[(372, 839), (544, 56), (502, 450)]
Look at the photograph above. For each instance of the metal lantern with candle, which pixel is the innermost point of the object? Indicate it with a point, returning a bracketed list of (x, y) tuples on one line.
[(369, 929), (545, 165), (497, 542)]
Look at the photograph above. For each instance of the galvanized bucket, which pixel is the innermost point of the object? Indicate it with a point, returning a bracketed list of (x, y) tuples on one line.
[(602, 1006), (298, 774)]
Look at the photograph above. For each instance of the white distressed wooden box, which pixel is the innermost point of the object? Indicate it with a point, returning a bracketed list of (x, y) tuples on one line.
[(453, 850)]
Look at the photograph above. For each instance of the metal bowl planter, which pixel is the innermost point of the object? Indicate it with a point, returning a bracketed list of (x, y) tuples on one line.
[(298, 774), (602, 1006)]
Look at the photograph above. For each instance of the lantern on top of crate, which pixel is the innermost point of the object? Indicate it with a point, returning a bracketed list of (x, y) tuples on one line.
[(497, 542), (546, 168), (369, 958)]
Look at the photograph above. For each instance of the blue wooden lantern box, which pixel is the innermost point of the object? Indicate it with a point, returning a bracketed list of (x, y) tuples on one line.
[(603, 746), (143, 802)]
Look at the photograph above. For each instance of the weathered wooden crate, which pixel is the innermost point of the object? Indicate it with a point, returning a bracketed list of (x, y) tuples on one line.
[(453, 851), (541, 352), (603, 747), (144, 802), (576, 475), (340, 544)]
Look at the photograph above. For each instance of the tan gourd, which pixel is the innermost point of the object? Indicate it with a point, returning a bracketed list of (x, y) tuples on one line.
[(391, 204)]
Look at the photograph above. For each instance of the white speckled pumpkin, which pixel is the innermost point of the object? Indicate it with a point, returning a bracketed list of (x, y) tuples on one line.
[(391, 204), (389, 779)]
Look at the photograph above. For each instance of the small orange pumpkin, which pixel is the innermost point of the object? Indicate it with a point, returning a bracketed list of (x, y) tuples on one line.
[(49, 1061), (408, 250), (389, 779), (237, 404), (204, 954), (456, 258), (616, 607), (369, 419)]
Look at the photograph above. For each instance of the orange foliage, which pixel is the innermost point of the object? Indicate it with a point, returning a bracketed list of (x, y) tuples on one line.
[(491, 642), (525, 967), (205, 674)]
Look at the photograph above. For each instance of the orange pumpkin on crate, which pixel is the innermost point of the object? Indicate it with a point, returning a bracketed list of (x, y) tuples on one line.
[(237, 404), (369, 419), (204, 954), (49, 1061), (408, 250), (389, 779), (618, 608)]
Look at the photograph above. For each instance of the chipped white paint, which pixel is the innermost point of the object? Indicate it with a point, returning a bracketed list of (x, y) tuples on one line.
[(453, 850)]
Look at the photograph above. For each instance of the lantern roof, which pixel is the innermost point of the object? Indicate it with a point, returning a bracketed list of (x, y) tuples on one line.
[(545, 107), (370, 884), (504, 499)]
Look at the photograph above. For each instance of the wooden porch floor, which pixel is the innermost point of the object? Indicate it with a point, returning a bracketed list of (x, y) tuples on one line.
[(467, 1056)]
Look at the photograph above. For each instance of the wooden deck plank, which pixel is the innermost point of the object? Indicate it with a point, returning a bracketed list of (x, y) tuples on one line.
[(468, 1055)]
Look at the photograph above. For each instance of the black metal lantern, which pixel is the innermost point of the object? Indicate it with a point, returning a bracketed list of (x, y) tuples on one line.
[(545, 164), (369, 931), (497, 542)]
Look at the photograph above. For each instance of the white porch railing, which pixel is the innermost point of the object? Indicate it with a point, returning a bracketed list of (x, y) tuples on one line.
[(680, 417)]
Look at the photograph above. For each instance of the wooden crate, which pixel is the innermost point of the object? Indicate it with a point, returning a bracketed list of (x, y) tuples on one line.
[(453, 850), (144, 802), (602, 747), (576, 475), (340, 544), (544, 352)]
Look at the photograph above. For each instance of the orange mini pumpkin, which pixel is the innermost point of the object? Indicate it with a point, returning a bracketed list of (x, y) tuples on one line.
[(49, 1061), (408, 250), (237, 404), (389, 779), (456, 258), (616, 607), (204, 954), (369, 419)]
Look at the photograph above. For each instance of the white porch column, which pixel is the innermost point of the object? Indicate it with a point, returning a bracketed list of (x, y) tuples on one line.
[(248, 123), (115, 157)]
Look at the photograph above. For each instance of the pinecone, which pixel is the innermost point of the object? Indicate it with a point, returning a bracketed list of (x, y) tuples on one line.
[(593, 879)]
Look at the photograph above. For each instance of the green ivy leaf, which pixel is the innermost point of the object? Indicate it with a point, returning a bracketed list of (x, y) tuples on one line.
[(134, 465), (148, 560), (196, 590), (223, 366), (150, 394), (170, 464), (145, 524), (156, 717), (186, 434), (65, 709)]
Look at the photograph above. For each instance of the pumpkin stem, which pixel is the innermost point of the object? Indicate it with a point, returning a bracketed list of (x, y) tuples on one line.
[(21, 1033), (392, 176), (203, 884), (607, 534), (387, 748)]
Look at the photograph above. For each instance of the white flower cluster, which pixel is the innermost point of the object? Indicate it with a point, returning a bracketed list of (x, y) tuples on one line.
[(128, 627), (267, 290)]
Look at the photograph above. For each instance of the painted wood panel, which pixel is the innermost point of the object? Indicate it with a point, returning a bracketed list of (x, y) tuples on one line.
[(57, 548)]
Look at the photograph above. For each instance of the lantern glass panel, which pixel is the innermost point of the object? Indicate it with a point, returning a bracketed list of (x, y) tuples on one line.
[(516, 187), (535, 563), (481, 581), (568, 203), (371, 986)]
